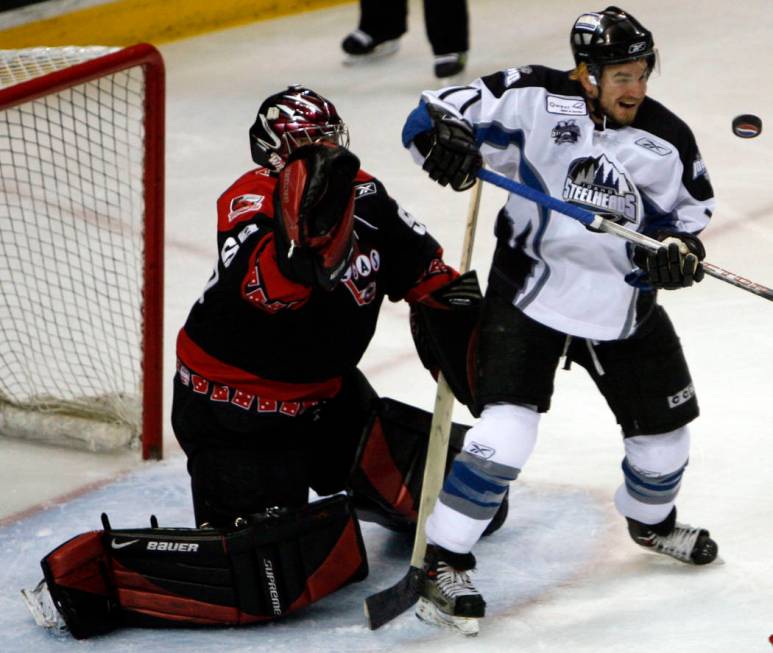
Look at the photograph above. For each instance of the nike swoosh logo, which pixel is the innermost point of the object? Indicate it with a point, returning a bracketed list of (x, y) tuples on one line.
[(121, 545)]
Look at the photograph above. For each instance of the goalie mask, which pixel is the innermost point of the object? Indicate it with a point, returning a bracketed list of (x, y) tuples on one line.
[(287, 120)]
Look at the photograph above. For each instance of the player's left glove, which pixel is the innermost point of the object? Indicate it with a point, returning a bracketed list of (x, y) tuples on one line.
[(677, 264), (452, 156)]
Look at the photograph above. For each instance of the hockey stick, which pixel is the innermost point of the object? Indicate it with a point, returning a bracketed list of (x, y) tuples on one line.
[(602, 224), (387, 604)]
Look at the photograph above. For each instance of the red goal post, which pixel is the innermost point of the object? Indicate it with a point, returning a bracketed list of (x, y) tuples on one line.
[(81, 248)]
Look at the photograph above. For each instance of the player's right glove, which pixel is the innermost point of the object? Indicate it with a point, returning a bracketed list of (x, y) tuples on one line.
[(677, 264), (453, 157)]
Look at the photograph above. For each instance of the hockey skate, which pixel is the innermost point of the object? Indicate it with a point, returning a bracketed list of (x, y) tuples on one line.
[(43, 609), (448, 65), (448, 598), (681, 541), (361, 47)]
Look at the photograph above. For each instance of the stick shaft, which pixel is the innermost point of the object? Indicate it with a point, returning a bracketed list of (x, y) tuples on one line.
[(441, 415), (602, 224)]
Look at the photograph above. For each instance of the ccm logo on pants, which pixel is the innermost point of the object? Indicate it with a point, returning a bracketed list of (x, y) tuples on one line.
[(681, 397)]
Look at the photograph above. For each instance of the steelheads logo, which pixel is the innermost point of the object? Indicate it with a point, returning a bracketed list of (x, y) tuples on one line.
[(597, 184)]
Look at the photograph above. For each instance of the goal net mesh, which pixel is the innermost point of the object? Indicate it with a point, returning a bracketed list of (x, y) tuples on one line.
[(71, 254)]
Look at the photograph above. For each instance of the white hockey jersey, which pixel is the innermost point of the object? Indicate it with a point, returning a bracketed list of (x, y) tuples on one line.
[(532, 124)]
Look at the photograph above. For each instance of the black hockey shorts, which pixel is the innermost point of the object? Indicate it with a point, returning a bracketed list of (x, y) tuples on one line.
[(644, 378), (242, 462)]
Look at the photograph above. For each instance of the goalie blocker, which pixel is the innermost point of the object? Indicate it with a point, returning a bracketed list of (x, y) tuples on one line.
[(275, 564), (444, 327)]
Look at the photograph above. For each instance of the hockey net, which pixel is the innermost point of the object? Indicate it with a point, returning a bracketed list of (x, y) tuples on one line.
[(81, 246)]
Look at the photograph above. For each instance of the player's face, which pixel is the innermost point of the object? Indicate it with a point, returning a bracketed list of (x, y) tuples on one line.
[(623, 88)]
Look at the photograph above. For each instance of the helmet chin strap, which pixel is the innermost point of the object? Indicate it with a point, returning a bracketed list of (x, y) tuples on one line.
[(595, 102)]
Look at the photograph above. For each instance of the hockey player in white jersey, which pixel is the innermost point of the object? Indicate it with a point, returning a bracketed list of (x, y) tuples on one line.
[(556, 290)]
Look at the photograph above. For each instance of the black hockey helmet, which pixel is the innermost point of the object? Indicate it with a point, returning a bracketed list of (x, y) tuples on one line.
[(289, 119), (610, 36)]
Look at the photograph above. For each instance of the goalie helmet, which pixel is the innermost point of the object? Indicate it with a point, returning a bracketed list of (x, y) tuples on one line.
[(610, 36), (294, 117)]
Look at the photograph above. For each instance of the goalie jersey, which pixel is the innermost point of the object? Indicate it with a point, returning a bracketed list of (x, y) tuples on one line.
[(272, 344), (532, 124)]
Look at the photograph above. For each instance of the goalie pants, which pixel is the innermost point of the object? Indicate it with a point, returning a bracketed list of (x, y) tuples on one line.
[(242, 462), (446, 22)]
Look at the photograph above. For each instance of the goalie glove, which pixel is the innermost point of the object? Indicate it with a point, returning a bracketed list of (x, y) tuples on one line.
[(452, 156), (677, 264), (314, 214)]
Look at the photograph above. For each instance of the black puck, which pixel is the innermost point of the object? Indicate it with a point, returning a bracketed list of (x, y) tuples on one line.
[(747, 126)]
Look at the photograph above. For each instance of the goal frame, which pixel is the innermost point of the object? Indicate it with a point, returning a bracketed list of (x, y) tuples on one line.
[(150, 59)]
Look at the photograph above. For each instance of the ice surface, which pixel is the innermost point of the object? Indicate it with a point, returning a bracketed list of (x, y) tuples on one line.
[(563, 575)]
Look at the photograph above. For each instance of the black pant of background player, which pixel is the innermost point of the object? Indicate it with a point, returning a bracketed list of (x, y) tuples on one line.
[(446, 22), (242, 462)]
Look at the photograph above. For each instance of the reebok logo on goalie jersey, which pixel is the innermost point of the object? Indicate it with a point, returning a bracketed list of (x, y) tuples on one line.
[(363, 190)]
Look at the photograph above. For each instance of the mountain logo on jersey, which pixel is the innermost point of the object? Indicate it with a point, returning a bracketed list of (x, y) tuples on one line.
[(566, 131), (599, 185)]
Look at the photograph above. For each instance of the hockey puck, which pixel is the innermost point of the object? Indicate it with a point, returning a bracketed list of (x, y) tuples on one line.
[(747, 126)]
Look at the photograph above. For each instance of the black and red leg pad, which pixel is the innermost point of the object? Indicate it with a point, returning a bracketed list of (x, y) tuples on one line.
[(274, 565)]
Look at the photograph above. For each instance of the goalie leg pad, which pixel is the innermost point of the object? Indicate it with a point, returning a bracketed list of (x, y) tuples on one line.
[(389, 466), (275, 565), (76, 574)]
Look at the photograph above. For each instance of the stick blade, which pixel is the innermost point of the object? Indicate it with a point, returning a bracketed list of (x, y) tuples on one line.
[(387, 604)]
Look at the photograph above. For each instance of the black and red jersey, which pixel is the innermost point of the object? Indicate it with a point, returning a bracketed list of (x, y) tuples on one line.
[(265, 336)]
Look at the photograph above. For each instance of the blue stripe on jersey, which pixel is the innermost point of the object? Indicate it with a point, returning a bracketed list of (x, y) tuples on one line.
[(654, 217), (418, 121), (496, 135)]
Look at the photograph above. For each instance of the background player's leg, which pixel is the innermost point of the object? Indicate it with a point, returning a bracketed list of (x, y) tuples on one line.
[(447, 23), (382, 23)]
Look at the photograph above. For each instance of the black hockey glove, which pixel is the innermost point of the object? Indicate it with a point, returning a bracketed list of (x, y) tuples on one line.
[(452, 157), (677, 264)]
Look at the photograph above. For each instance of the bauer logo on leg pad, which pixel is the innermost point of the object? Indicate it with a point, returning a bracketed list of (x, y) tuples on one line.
[(182, 547), (681, 397)]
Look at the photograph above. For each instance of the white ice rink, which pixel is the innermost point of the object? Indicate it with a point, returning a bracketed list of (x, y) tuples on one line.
[(562, 574)]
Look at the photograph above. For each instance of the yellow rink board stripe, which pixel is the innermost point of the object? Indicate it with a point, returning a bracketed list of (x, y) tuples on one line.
[(125, 22)]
